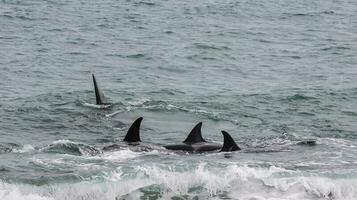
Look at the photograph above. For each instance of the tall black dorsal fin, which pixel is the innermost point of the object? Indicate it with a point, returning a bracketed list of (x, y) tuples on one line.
[(228, 143), (99, 96), (195, 135), (133, 134)]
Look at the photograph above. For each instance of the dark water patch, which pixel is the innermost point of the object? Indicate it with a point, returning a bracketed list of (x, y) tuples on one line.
[(5, 149), (104, 26), (4, 169), (172, 69), (332, 48), (210, 46), (328, 12), (115, 55), (169, 32), (264, 41), (307, 114), (145, 3), (136, 56), (307, 142), (298, 97), (134, 21), (76, 41), (25, 18), (310, 14), (20, 3), (350, 113), (201, 57), (77, 53), (141, 27), (43, 50), (6, 16), (12, 37), (60, 29), (295, 57), (165, 92), (208, 58)]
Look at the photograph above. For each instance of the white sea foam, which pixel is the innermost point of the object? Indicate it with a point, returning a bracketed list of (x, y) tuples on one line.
[(20, 192), (203, 181), (121, 155), (97, 106), (63, 142), (138, 102), (113, 114), (24, 149)]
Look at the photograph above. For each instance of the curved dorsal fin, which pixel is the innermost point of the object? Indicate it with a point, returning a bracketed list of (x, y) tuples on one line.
[(228, 143), (195, 135), (133, 134), (99, 96)]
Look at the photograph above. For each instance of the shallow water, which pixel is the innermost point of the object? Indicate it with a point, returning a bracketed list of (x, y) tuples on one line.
[(256, 69)]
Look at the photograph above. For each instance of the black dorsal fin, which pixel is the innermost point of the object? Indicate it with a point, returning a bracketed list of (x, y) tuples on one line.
[(133, 134), (228, 143), (99, 96), (195, 135)]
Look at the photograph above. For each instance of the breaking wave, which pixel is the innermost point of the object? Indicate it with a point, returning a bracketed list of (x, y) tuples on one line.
[(200, 182)]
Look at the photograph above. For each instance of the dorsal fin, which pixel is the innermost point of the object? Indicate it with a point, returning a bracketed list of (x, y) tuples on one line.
[(195, 135), (99, 96), (133, 134), (228, 143)]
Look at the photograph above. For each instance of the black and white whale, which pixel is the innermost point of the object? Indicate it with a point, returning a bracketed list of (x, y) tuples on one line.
[(99, 96), (193, 143)]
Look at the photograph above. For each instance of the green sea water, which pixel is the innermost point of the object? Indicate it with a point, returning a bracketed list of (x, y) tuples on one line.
[(271, 73)]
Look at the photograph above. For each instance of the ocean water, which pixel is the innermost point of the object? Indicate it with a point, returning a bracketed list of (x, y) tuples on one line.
[(271, 73)]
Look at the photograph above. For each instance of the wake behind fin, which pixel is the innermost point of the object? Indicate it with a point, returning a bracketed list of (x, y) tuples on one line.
[(99, 96), (228, 143), (133, 134), (195, 135)]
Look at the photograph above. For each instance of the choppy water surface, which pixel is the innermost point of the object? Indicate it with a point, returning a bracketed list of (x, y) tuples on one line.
[(255, 68)]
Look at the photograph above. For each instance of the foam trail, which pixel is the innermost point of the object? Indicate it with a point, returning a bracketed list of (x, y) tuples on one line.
[(113, 114), (96, 106)]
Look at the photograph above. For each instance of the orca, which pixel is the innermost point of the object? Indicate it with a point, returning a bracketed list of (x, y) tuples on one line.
[(195, 142), (99, 96)]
